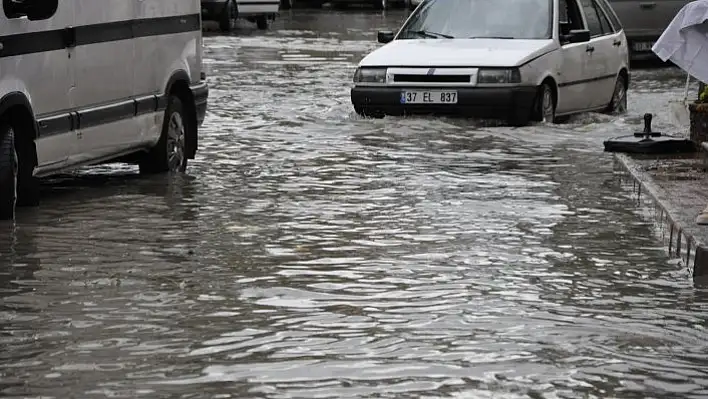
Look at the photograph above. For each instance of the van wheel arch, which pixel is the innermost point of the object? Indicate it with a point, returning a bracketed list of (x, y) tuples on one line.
[(16, 111), (178, 85)]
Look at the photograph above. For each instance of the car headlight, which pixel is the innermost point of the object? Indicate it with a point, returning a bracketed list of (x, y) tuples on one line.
[(497, 76), (370, 75)]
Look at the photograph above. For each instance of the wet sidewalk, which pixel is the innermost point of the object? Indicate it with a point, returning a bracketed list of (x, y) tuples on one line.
[(675, 189)]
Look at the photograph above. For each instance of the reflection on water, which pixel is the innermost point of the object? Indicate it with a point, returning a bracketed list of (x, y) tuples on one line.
[(312, 253)]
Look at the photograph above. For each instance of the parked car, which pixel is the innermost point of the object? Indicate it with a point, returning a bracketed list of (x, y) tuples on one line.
[(226, 12), (644, 21), (377, 4), (69, 99), (508, 59)]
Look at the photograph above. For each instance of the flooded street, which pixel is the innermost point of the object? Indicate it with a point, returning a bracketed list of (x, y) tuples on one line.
[(311, 253)]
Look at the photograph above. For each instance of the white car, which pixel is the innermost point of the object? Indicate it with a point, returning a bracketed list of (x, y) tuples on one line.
[(517, 60)]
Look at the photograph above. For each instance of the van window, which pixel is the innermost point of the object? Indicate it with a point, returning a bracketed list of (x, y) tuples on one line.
[(33, 9)]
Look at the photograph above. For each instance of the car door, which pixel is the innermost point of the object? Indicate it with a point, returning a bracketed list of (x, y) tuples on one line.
[(104, 84), (601, 74), (619, 54), (572, 74), (35, 60)]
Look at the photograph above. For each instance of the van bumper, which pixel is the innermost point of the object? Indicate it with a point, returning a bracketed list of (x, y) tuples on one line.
[(200, 92), (481, 102)]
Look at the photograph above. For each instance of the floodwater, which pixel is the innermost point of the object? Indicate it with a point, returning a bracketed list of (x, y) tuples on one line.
[(310, 253)]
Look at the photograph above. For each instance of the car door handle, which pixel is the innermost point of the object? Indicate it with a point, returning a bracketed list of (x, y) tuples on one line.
[(589, 49), (617, 43)]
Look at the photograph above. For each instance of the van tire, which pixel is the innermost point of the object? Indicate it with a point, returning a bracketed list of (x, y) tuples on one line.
[(227, 21), (172, 142), (262, 22), (8, 172)]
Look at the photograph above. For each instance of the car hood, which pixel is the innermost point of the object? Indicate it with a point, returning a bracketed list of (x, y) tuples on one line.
[(457, 52)]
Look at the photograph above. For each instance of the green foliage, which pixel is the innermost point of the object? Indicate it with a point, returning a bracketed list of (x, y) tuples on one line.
[(703, 95)]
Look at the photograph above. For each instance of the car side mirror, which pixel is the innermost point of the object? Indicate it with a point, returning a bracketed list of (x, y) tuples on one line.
[(578, 36), (385, 36), (34, 10)]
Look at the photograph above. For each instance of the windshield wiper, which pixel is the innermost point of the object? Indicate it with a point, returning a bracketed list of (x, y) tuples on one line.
[(430, 34), (491, 37)]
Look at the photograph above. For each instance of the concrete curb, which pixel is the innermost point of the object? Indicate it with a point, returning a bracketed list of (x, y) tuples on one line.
[(679, 235)]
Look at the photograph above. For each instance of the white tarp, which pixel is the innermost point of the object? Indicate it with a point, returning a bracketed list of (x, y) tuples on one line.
[(685, 40)]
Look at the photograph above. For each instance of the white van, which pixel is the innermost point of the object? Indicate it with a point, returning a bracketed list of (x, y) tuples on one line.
[(260, 12), (85, 82)]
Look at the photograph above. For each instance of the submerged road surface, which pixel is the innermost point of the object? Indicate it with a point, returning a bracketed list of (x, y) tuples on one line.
[(310, 253)]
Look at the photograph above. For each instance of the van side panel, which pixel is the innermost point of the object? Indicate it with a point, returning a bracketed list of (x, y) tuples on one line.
[(36, 63), (160, 56), (104, 78)]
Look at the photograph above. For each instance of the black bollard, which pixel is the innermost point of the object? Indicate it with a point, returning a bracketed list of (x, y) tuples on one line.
[(647, 133)]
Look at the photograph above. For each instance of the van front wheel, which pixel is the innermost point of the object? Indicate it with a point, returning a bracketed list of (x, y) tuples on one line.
[(169, 154)]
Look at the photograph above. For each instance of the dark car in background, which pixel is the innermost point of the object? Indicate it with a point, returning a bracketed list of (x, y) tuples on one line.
[(377, 4), (644, 21)]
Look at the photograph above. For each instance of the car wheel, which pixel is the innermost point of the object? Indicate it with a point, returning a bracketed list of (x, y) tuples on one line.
[(545, 105), (618, 103), (227, 22), (262, 22), (8, 173), (368, 113), (170, 152)]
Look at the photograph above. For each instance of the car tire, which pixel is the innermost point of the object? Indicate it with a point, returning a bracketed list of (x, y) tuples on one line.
[(544, 108), (368, 113), (618, 102), (262, 22), (170, 152), (8, 172), (227, 21)]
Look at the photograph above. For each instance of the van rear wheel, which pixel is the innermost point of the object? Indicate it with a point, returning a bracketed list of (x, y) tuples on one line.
[(169, 154), (8, 172)]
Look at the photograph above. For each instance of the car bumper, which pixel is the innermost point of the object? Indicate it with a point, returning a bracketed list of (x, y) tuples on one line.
[(200, 92), (487, 102)]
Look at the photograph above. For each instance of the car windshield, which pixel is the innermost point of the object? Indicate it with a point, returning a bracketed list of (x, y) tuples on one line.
[(462, 19)]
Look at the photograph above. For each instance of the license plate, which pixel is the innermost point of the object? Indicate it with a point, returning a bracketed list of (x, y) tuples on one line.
[(428, 97), (642, 46)]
